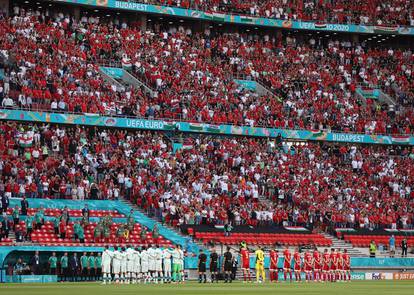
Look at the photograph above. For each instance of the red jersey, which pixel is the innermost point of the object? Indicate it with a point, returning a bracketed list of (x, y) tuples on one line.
[(296, 259), (317, 260), (326, 261), (308, 265), (339, 259), (287, 259), (273, 259), (245, 256), (347, 261), (334, 261)]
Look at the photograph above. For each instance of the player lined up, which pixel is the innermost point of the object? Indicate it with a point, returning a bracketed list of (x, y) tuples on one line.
[(317, 266), (141, 265)]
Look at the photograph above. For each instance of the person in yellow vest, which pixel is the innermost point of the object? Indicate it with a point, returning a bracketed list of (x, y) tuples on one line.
[(260, 271)]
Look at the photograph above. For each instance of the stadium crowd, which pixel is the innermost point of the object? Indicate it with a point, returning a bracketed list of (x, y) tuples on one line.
[(374, 12), (212, 180), (54, 59)]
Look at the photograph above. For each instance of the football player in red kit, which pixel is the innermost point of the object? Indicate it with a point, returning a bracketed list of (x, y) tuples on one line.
[(273, 269), (317, 265), (340, 269), (326, 263), (308, 266), (334, 265), (287, 264), (297, 265), (346, 265), (245, 259)]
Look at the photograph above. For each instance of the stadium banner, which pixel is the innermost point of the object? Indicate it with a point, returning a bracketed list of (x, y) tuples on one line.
[(403, 276), (115, 73), (31, 279), (144, 124), (379, 276), (247, 84), (357, 276), (239, 19)]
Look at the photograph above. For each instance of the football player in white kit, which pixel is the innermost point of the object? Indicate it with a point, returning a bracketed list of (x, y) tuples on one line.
[(181, 262), (144, 264), (130, 267), (166, 256), (152, 257), (158, 265), (106, 265), (123, 265), (136, 274), (116, 264)]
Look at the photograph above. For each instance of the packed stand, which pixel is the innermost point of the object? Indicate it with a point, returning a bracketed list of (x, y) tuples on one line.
[(368, 12), (212, 180), (313, 86)]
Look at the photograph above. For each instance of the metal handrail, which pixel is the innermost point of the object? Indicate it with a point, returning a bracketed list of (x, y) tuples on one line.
[(258, 16), (174, 120)]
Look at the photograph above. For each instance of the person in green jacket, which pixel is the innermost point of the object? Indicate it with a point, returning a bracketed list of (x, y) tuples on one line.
[(107, 233), (53, 264), (143, 234), (29, 227), (64, 266), (97, 233), (98, 267), (39, 218), (16, 217), (91, 266), (56, 222), (84, 266), (155, 232)]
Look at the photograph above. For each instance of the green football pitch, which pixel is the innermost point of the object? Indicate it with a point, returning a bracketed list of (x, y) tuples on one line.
[(353, 288)]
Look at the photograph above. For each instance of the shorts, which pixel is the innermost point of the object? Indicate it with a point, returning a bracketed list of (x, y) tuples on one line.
[(260, 266), (106, 268), (158, 265), (317, 267), (130, 266), (307, 269), (297, 267), (246, 265), (273, 268), (144, 267), (213, 267), (286, 266), (202, 267), (167, 267), (151, 265), (116, 268), (325, 268), (137, 267), (228, 266)]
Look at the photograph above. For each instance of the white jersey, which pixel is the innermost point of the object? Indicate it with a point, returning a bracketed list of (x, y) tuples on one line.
[(116, 261), (158, 259), (130, 256), (106, 261), (137, 262), (166, 256), (123, 261), (144, 261), (152, 257)]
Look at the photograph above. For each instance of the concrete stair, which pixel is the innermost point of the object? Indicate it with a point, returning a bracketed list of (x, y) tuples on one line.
[(341, 244)]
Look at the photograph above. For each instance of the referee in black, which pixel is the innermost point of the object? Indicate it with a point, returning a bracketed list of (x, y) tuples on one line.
[(202, 261), (214, 265), (228, 266)]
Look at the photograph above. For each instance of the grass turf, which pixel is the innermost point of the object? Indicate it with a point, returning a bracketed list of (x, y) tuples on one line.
[(353, 288)]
